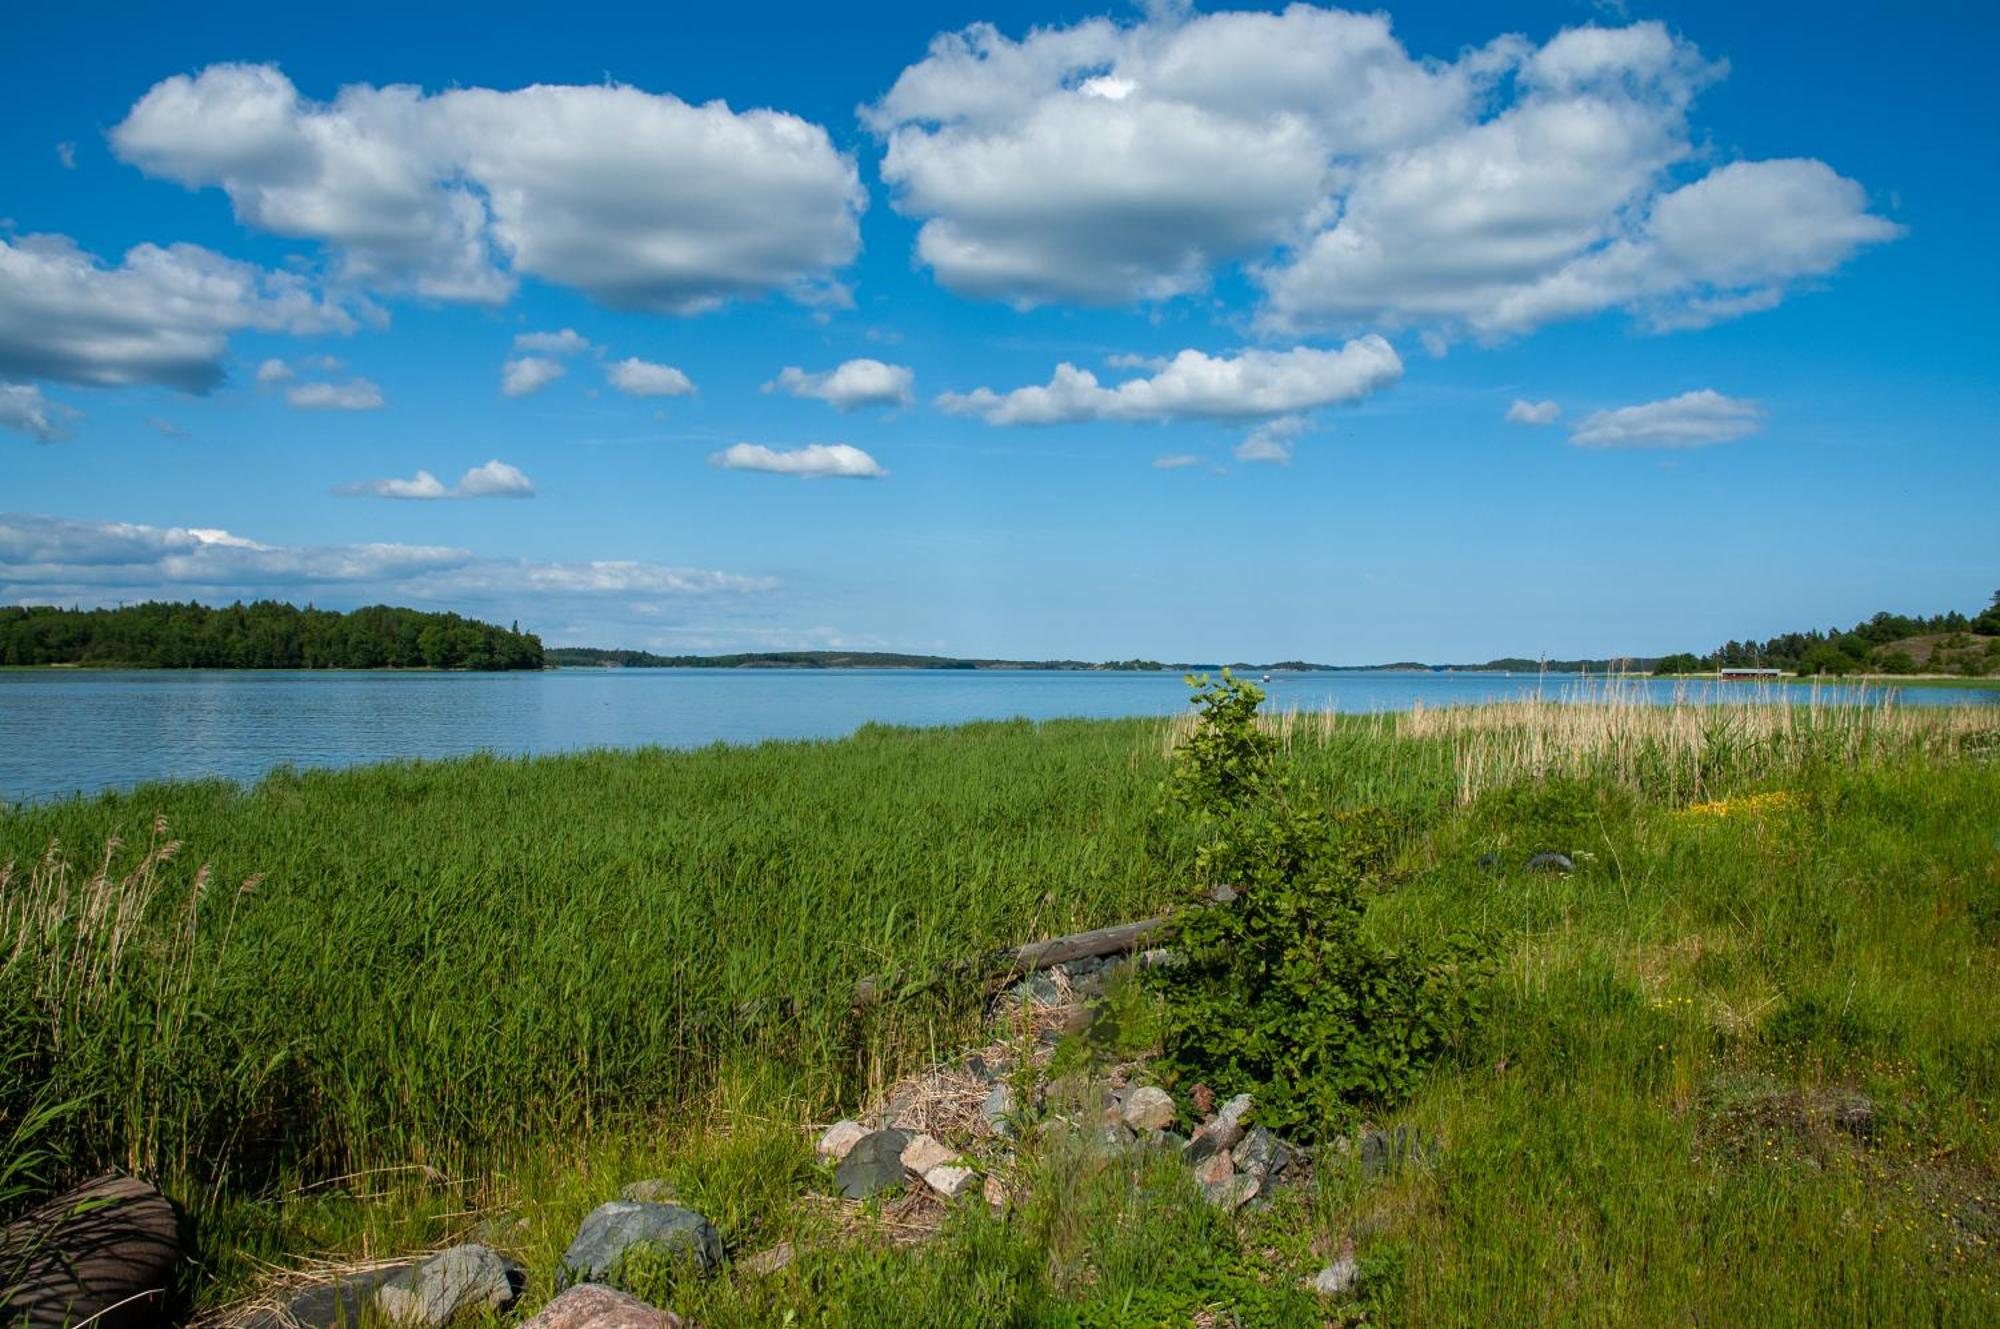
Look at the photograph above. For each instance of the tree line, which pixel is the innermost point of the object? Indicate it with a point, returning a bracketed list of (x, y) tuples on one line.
[(264, 635), (1954, 643)]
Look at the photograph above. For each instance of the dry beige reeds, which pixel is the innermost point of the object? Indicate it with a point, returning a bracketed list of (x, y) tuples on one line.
[(1677, 749)]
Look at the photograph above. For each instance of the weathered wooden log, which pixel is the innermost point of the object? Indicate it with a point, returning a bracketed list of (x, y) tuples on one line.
[(105, 1252), (1118, 939)]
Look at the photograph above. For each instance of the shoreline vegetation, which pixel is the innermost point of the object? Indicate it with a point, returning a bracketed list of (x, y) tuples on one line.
[(1744, 1034), (267, 634)]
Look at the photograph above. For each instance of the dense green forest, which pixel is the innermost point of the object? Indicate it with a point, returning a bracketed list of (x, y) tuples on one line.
[(264, 635), (1949, 643)]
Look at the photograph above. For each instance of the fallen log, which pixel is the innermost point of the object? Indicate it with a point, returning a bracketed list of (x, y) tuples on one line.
[(1119, 939), (105, 1252)]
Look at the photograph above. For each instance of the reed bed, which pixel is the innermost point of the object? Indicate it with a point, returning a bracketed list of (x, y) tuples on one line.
[(1691, 748)]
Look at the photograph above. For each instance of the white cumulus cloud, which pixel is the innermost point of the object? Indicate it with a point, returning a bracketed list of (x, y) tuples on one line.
[(527, 374), (1513, 186), (642, 378), (356, 394), (162, 316), (850, 385), (812, 461), (1533, 412), (1272, 441), (494, 479), (1691, 420), (641, 200), (1197, 386)]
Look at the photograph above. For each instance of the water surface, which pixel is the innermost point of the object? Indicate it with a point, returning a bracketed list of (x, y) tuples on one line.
[(80, 731)]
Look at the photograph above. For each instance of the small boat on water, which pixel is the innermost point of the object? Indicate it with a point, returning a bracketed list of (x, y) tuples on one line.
[(1267, 678)]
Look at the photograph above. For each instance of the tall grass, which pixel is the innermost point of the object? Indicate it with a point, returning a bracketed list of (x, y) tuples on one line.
[(445, 959)]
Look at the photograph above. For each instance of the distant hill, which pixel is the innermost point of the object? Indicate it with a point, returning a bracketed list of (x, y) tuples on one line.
[(264, 635), (591, 656), (574, 656)]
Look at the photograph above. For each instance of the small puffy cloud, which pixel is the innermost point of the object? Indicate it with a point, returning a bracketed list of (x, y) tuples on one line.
[(853, 384), (642, 378), (1175, 461), (66, 154), (1360, 186), (274, 371), (527, 374), (1533, 412), (356, 394), (1197, 386), (24, 408), (1272, 441), (567, 342), (422, 485), (162, 316), (641, 200), (813, 461), (495, 479), (1691, 420)]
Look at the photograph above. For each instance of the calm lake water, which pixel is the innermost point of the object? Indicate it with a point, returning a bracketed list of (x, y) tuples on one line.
[(65, 732)]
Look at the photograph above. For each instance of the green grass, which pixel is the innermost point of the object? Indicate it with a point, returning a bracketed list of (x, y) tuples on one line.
[(523, 983)]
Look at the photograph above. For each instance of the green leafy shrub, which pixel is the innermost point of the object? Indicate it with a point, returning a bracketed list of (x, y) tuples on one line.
[(1280, 991)]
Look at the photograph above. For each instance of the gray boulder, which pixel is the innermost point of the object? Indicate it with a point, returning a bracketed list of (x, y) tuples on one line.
[(1550, 861), (1038, 990), (873, 1165), (1263, 1155), (337, 1304), (622, 1228), (461, 1278), (998, 1110)]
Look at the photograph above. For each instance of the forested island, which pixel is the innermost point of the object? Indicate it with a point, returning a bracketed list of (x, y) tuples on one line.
[(1948, 643), (264, 635)]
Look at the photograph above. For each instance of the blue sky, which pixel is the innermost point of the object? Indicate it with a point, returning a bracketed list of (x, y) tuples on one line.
[(1728, 267)]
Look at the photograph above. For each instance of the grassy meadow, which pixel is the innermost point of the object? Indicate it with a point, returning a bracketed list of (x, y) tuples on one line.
[(1740, 1067)]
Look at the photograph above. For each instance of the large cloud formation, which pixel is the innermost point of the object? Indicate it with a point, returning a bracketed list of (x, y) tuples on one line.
[(1487, 195), (639, 199), (162, 316)]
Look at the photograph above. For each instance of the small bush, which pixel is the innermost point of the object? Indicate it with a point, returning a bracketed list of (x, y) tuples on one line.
[(1280, 992)]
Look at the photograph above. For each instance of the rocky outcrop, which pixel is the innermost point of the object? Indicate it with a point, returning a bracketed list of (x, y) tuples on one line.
[(462, 1278)]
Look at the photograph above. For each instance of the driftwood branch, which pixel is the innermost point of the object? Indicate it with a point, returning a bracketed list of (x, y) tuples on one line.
[(1119, 939)]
